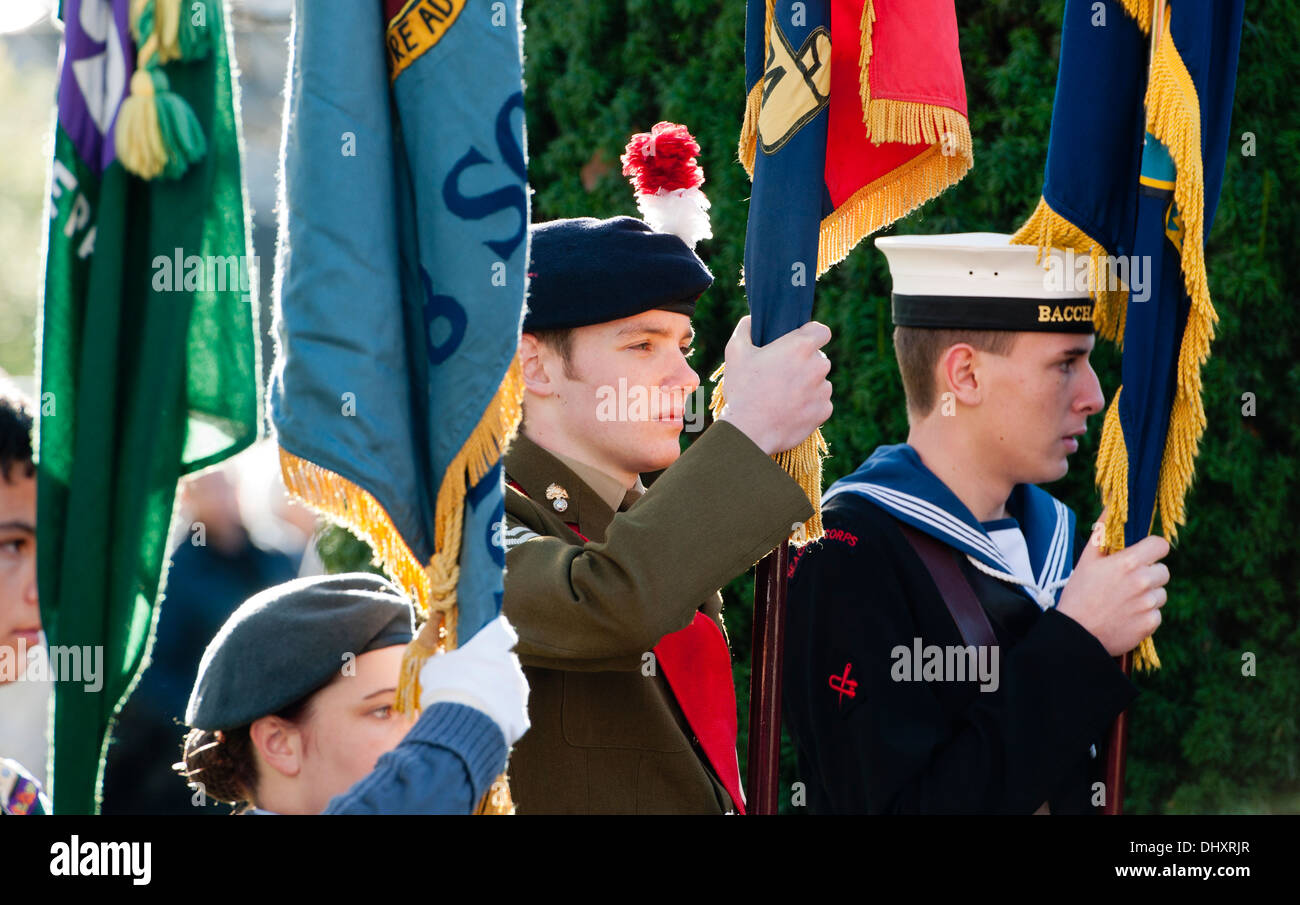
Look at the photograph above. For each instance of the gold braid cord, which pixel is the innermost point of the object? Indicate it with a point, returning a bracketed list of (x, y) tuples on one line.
[(803, 463), (432, 587), (1174, 119)]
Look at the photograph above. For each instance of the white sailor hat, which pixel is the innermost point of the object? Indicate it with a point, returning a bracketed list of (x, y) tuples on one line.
[(980, 281)]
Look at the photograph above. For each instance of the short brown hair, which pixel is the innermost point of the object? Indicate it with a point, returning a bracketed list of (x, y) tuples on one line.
[(560, 341), (918, 350)]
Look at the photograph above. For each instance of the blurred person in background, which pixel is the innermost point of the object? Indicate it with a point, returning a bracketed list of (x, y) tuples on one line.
[(215, 567)]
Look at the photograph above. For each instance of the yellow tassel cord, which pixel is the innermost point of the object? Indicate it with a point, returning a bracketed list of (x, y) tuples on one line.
[(803, 463), (157, 133), (138, 138), (754, 104), (749, 128), (431, 587)]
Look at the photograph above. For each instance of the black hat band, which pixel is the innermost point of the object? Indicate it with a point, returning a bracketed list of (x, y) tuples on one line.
[(1018, 314)]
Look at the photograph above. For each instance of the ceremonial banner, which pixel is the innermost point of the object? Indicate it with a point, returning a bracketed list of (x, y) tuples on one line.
[(148, 343), (1132, 188), (401, 277), (856, 115)]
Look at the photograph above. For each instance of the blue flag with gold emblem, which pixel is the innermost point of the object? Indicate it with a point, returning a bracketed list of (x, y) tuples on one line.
[(855, 115), (1131, 186), (400, 286)]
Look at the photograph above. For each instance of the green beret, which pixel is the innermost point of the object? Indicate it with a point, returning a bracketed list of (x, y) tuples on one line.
[(288, 641)]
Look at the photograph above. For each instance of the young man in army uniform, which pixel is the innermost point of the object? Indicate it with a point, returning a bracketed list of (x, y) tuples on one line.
[(942, 655), (614, 589)]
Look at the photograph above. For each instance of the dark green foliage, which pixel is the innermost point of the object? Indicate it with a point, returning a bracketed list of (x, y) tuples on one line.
[(1204, 737), (342, 551)]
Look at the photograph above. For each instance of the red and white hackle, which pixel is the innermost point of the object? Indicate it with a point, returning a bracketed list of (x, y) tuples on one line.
[(661, 166)]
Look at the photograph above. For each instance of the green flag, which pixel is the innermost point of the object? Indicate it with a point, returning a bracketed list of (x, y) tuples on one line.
[(148, 356)]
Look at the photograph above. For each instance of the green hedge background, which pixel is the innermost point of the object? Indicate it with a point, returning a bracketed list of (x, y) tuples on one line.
[(1204, 738)]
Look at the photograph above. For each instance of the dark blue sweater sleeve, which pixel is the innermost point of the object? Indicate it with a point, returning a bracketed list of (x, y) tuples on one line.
[(444, 766)]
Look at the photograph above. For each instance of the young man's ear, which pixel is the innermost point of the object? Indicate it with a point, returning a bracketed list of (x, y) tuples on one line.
[(959, 375), (279, 743), (534, 357)]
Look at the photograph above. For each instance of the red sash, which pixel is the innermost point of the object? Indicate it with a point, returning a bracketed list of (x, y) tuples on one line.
[(697, 666)]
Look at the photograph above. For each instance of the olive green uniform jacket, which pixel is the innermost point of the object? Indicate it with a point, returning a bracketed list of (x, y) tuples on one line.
[(607, 735)]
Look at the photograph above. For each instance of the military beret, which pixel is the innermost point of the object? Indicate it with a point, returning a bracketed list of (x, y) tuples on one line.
[(288, 641), (588, 271)]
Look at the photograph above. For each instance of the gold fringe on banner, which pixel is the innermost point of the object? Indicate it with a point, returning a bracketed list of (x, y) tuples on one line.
[(431, 587), (753, 105), (1140, 12), (880, 203), (803, 463), (1174, 119), (895, 194), (1046, 229), (901, 191)]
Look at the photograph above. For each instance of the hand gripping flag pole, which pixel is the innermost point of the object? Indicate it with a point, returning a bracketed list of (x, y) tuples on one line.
[(400, 283), (1137, 204), (855, 115)]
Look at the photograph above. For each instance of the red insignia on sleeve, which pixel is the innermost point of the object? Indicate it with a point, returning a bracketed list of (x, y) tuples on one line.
[(843, 684)]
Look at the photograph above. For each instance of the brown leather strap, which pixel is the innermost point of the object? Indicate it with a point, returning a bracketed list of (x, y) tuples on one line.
[(958, 595)]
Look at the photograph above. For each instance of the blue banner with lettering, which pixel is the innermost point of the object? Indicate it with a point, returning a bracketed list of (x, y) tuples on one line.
[(400, 287)]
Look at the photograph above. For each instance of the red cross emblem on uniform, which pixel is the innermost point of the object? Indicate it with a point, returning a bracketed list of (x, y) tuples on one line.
[(843, 684)]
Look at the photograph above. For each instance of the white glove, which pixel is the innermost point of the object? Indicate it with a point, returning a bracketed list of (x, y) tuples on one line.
[(484, 673)]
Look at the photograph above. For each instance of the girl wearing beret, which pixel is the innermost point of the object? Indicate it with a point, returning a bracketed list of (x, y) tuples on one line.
[(293, 708)]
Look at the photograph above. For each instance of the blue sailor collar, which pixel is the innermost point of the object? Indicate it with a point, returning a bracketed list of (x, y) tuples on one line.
[(895, 478)]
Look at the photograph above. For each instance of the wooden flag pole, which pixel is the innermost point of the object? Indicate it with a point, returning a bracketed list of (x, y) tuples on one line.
[(765, 681), (1117, 753)]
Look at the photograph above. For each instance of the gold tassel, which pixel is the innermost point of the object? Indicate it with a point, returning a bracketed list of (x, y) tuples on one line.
[(803, 463), (1112, 481), (157, 133), (432, 588), (138, 137), (753, 105), (1112, 476), (749, 128), (481, 451)]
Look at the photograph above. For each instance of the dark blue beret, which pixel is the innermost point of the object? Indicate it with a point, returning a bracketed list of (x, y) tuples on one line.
[(588, 271), (288, 641)]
